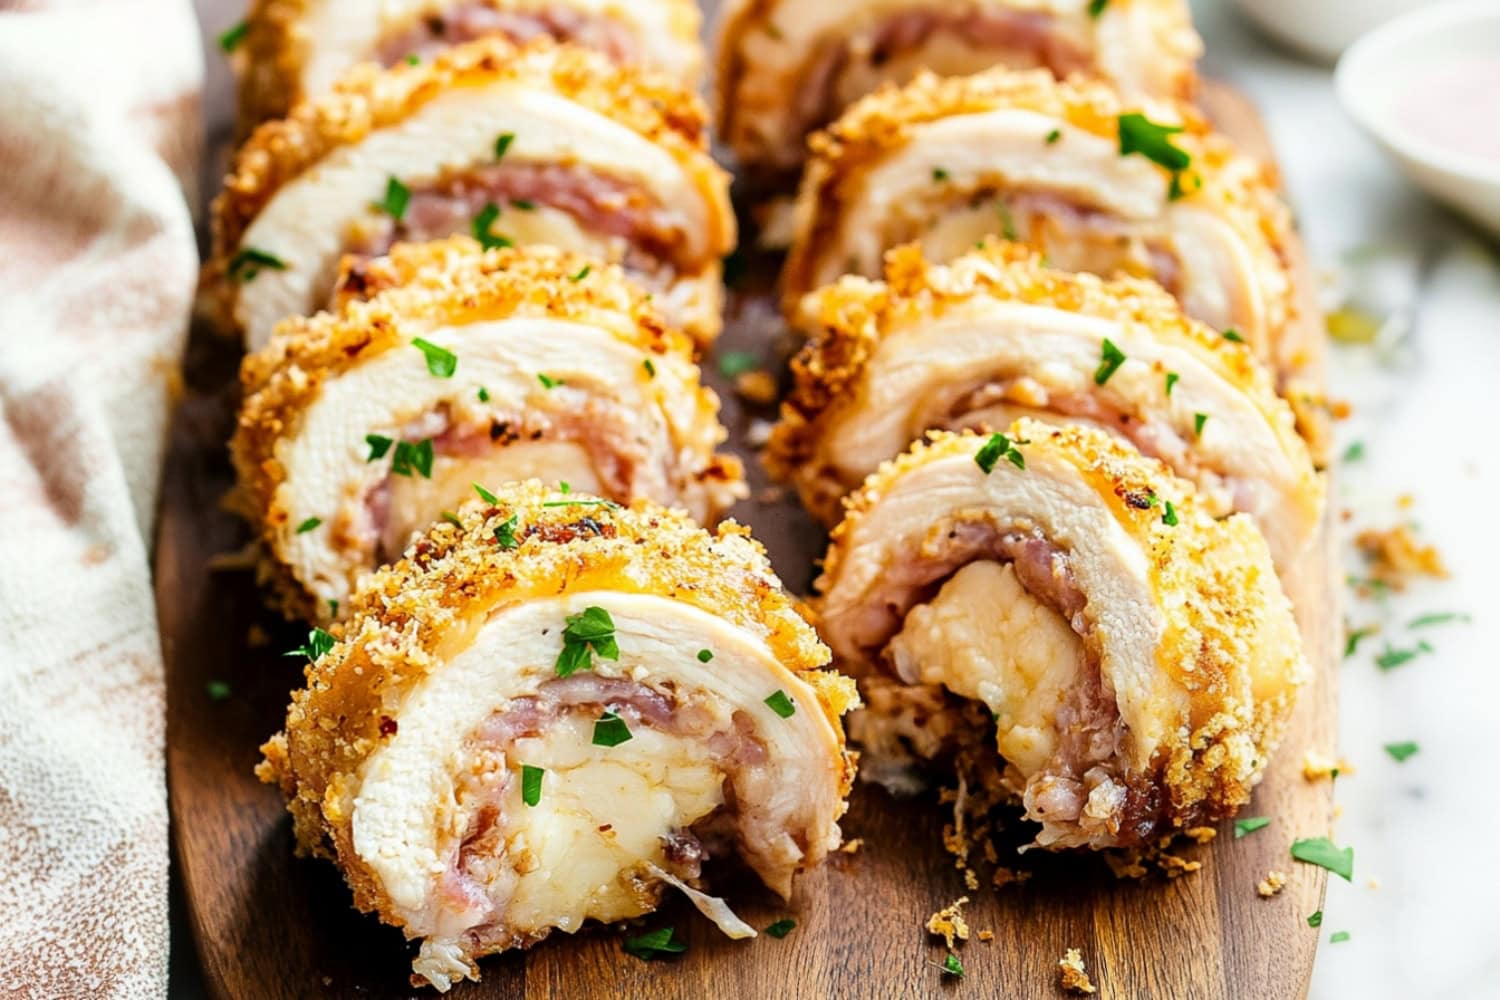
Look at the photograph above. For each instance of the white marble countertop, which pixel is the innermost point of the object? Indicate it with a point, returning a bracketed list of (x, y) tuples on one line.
[(1419, 912)]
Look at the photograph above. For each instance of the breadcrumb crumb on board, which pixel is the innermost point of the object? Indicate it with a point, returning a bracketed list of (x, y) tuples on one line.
[(949, 922), (1073, 977)]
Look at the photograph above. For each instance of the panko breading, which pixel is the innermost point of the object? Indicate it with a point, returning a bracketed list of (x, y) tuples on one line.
[(294, 50), (508, 318), (1072, 976), (1073, 588), (996, 334), (948, 162), (398, 756)]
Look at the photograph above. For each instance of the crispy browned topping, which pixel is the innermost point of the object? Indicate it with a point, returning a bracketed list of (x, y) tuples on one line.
[(1395, 556)]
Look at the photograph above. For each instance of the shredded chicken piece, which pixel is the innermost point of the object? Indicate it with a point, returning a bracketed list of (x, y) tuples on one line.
[(1271, 885), (1317, 766), (1395, 556), (1073, 977), (949, 922)]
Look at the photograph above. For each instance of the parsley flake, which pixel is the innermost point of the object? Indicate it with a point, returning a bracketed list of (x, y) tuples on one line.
[(1390, 658), (1356, 636), (247, 262), (939, 174), (411, 458), (523, 204), (1172, 379), (482, 222), (1401, 751), (451, 518), (781, 928), (548, 382), (485, 494), (1315, 918), (231, 37), (397, 197), (309, 525), (1199, 419), (649, 946), (505, 534), (1096, 7), (1354, 452), (1338, 937), (379, 445), (318, 644), (997, 447), (736, 363), (413, 60), (1169, 514), (583, 272), (781, 704), (502, 144), (1324, 853), (217, 690), (952, 966), (1139, 134), (484, 394), (531, 784), (1234, 335), (1248, 825), (704, 655), (1438, 618), (1110, 360), (1053, 136), (590, 631), (650, 367), (610, 730), (440, 361), (1007, 221)]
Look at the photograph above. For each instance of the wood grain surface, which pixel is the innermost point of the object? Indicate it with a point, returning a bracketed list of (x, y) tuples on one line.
[(269, 925)]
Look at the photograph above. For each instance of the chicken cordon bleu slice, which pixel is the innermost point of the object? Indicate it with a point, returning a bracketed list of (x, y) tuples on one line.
[(995, 336), (1138, 657), (786, 69), (1094, 181), (361, 427), (551, 711), (292, 50), (542, 144)]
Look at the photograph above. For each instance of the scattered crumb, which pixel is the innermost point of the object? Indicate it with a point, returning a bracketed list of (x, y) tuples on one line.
[(257, 637), (1373, 883), (949, 922), (1074, 978), (971, 880), (853, 846), (1176, 867), (758, 433), (1395, 556), (757, 386), (1202, 834), (986, 936), (1125, 864), (1317, 766), (1405, 501), (1338, 811), (1340, 409), (1272, 884), (1009, 876), (771, 494)]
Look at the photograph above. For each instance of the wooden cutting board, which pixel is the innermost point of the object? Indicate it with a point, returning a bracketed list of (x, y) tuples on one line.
[(269, 926)]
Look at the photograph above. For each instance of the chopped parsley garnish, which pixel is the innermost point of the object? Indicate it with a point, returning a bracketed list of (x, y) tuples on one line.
[(1315, 918), (582, 503), (650, 367), (1096, 7), (952, 966), (1338, 937), (704, 655), (583, 272), (523, 204), (1007, 221), (1234, 335), (333, 608), (939, 174), (1324, 853), (451, 518), (379, 445), (548, 382), (1390, 658), (997, 447), (318, 643), (1248, 825), (484, 394), (505, 534), (610, 730), (1438, 618), (1110, 360), (485, 494), (413, 59), (531, 784), (782, 928), (735, 363), (502, 144), (1169, 514), (1139, 134), (1172, 379), (247, 262), (1354, 452), (308, 525), (482, 222), (411, 458), (217, 690), (648, 946), (397, 197), (231, 37), (563, 486), (1199, 419), (1356, 636), (781, 704), (590, 631), (1053, 136), (1400, 751), (440, 361)]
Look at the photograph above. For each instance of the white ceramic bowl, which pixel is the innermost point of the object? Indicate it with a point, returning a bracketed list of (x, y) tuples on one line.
[(1322, 28), (1384, 73)]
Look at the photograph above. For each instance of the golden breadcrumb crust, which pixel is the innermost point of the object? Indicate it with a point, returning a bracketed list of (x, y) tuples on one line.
[(284, 380), (369, 99), (411, 618), (1226, 618), (1243, 193), (846, 322), (270, 59)]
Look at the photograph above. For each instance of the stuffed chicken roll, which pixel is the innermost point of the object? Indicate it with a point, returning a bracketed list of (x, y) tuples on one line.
[(1092, 180), (1138, 657), (542, 144), (996, 336), (361, 427), (293, 50), (553, 710), (786, 69)]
